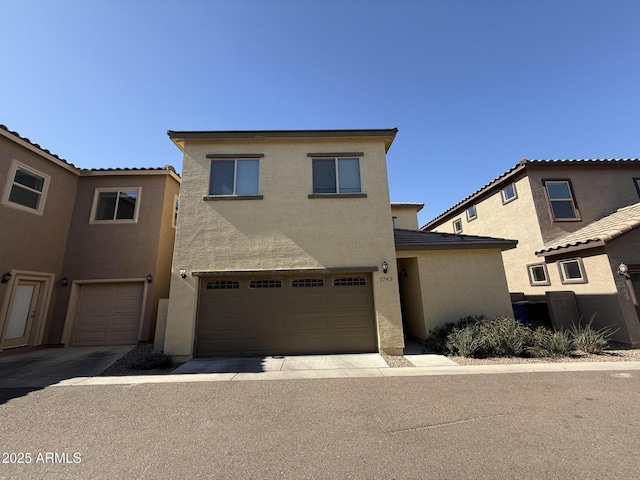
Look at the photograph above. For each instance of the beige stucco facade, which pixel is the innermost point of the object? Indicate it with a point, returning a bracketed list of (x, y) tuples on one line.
[(598, 189), (285, 228), (443, 286), (405, 215)]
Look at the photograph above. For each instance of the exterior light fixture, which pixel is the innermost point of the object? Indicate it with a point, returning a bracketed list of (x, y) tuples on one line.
[(149, 278), (6, 277), (183, 273), (64, 282), (404, 273), (385, 267), (623, 270)]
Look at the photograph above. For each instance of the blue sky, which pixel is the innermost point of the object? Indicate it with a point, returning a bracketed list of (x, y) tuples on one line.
[(473, 86)]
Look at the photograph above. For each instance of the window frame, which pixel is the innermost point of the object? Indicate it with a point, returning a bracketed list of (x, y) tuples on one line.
[(574, 204), (96, 197), (457, 221), (636, 182), (176, 207), (535, 283), (235, 159), (475, 212), (336, 161), (511, 199), (566, 281), (11, 181)]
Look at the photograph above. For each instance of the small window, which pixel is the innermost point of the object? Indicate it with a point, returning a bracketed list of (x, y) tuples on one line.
[(636, 182), (26, 189), (538, 274), (561, 200), (265, 283), (223, 285), (393, 221), (572, 271), (234, 177), (336, 175), (307, 282), (115, 205), (176, 206), (509, 193), (457, 226), (349, 281), (471, 213)]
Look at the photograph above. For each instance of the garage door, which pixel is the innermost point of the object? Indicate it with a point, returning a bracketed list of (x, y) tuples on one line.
[(108, 314), (286, 316)]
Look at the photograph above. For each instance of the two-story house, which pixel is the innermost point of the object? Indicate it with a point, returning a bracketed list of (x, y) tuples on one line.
[(85, 255), (286, 245), (575, 225)]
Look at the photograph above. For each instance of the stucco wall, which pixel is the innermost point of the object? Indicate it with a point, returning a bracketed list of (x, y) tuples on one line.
[(285, 229), (457, 283), (29, 241), (119, 251), (405, 217)]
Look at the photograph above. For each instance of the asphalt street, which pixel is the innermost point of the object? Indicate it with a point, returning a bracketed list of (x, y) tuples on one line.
[(524, 426)]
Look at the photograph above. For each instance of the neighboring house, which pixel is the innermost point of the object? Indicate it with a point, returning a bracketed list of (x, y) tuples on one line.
[(575, 222), (85, 255), (286, 245)]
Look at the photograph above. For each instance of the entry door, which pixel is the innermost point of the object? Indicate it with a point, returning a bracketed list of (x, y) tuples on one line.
[(22, 313)]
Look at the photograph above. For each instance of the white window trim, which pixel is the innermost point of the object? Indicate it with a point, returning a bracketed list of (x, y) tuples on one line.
[(546, 274), (96, 194), (457, 221), (235, 177), (176, 207), (515, 193), (11, 176), (475, 215), (335, 166), (567, 281)]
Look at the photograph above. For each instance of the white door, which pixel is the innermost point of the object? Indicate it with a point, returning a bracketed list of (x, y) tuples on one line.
[(22, 313)]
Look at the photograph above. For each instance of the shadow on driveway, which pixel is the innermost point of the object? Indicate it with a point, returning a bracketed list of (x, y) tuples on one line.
[(23, 373)]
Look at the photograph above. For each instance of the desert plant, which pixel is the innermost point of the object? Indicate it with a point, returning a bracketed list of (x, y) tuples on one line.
[(463, 341), (590, 340), (151, 360), (560, 343), (438, 337)]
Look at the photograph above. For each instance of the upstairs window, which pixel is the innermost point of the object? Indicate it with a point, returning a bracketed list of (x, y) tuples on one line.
[(336, 175), (26, 189), (234, 177), (509, 193), (471, 213), (115, 205), (636, 182), (457, 226), (174, 220), (561, 200)]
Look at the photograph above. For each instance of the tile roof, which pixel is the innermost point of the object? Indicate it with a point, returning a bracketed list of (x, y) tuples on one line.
[(25, 139), (522, 165), (129, 169), (419, 240), (596, 233)]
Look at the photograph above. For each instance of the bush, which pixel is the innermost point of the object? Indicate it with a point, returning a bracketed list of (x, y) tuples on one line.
[(150, 360), (590, 340), (480, 337)]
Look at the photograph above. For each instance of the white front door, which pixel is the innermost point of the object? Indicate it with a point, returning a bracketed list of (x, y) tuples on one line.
[(22, 313)]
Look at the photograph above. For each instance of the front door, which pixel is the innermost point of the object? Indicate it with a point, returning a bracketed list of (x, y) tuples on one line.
[(22, 312)]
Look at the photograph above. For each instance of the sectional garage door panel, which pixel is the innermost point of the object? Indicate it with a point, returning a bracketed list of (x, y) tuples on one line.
[(108, 314), (285, 316)]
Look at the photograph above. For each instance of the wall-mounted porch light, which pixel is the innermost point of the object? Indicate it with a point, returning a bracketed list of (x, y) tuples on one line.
[(183, 273), (64, 282), (6, 277), (385, 267), (149, 278), (623, 270)]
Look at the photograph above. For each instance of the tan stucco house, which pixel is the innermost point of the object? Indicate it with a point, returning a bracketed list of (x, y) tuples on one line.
[(288, 244), (85, 255), (575, 222)]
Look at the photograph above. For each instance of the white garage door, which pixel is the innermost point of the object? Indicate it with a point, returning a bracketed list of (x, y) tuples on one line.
[(108, 314)]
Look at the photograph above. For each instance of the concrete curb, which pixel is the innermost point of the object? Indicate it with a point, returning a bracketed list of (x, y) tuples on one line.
[(355, 373)]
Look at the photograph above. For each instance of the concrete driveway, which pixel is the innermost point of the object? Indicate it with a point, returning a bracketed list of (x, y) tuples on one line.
[(47, 366)]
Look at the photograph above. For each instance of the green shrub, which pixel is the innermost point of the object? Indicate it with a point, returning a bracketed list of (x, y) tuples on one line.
[(590, 340), (438, 337), (150, 360), (464, 342), (561, 344)]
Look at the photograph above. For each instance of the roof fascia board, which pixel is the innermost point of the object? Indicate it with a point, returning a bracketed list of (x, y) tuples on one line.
[(111, 173), (457, 246)]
